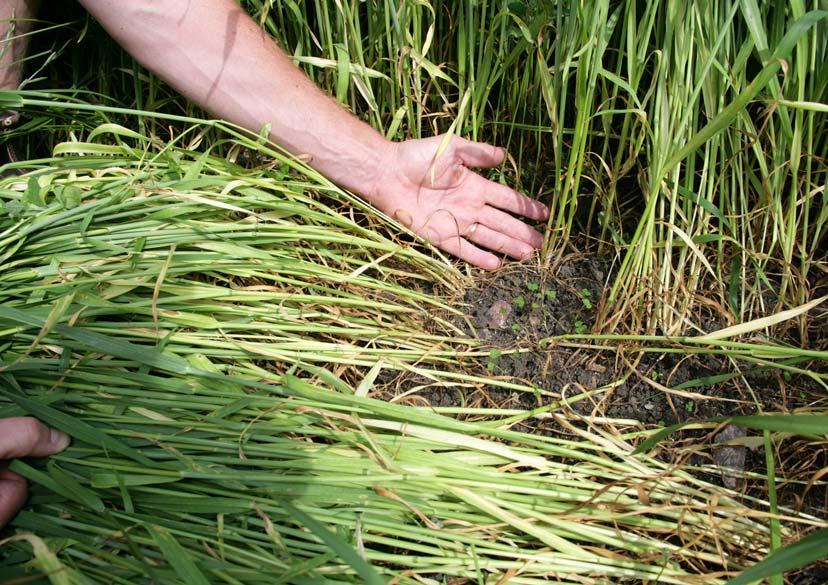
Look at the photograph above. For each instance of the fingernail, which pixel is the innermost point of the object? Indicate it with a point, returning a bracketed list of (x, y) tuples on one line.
[(59, 440)]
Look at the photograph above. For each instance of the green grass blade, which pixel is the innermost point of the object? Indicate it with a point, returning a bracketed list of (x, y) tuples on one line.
[(104, 343), (799, 424), (178, 557), (345, 552), (810, 549), (729, 113), (60, 483)]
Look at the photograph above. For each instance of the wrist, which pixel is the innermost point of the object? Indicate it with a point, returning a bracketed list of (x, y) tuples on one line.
[(380, 165), (356, 157)]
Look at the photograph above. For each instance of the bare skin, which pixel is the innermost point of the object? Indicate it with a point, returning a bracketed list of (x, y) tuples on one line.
[(16, 20), (22, 437)]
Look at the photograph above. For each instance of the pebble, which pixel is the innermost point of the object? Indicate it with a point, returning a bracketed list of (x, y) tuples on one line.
[(730, 457), (497, 317)]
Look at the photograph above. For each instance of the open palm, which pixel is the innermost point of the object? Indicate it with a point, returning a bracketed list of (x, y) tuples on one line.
[(437, 195)]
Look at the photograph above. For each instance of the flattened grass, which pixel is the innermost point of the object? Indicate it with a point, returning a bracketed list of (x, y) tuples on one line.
[(204, 330), (200, 332)]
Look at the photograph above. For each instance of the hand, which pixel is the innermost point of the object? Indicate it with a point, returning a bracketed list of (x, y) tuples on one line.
[(438, 197), (23, 437)]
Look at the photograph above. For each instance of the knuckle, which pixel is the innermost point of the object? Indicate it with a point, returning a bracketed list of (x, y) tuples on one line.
[(29, 432), (448, 243)]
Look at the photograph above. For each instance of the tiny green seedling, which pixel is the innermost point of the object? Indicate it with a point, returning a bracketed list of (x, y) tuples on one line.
[(494, 353), (580, 327), (689, 406), (551, 294), (515, 328), (535, 305), (585, 298), (520, 302)]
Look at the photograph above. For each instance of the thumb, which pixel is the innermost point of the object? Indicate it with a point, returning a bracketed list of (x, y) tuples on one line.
[(479, 154), (26, 436)]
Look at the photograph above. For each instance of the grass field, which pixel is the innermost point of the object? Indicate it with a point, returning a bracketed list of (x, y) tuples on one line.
[(266, 381)]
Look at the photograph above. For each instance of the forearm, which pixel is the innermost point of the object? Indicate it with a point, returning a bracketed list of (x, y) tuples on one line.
[(16, 19), (217, 56)]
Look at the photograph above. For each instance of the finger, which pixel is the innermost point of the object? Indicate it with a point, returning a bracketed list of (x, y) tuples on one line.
[(478, 154), (503, 197), (26, 436), (470, 253), (12, 495), (501, 243), (502, 222)]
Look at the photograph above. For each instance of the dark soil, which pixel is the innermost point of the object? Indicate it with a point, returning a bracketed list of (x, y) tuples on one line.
[(515, 312)]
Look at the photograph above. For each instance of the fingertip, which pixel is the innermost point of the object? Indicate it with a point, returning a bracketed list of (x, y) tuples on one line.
[(28, 437), (527, 251), (58, 440), (490, 262), (538, 211)]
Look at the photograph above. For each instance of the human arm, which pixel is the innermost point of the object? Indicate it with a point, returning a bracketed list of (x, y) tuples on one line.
[(16, 22), (22, 437), (217, 56)]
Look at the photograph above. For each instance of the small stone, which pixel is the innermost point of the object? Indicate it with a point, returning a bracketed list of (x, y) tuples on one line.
[(497, 317), (730, 458)]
